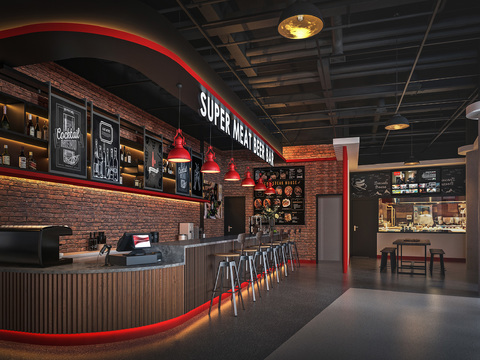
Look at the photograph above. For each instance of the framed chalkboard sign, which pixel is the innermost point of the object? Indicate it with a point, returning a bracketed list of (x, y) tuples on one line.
[(182, 178), (105, 148), (197, 176), (453, 180), (67, 147), (367, 185), (153, 168)]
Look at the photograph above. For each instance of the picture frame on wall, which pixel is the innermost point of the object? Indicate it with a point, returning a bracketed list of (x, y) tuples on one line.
[(153, 163), (67, 148), (197, 176), (182, 177), (105, 136)]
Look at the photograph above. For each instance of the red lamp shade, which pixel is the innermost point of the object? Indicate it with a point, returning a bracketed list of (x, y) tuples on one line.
[(260, 186), (232, 174), (210, 166), (179, 154), (270, 190), (248, 181)]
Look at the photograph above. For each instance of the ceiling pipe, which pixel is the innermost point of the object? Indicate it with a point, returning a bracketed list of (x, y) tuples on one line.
[(205, 35)]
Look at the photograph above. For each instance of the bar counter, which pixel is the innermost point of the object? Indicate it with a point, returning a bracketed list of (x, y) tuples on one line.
[(87, 296)]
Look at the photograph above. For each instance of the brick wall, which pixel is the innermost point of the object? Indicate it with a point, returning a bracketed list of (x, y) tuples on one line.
[(87, 210)]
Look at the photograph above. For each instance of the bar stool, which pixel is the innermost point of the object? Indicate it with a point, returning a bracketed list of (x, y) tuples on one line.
[(274, 253), (247, 259), (294, 244), (288, 246), (228, 266), (280, 247), (440, 253), (263, 252)]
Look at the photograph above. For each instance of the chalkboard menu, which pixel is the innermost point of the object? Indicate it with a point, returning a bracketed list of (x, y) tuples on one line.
[(289, 197), (409, 182), (373, 184), (67, 148), (453, 180), (183, 178), (106, 148), (153, 165), (197, 176)]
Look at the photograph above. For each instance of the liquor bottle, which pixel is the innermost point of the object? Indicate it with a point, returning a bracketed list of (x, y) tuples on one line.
[(32, 164), (30, 126), (100, 162), (38, 132), (95, 160), (5, 155), (115, 165), (104, 167), (121, 155), (129, 157), (22, 160), (45, 131), (5, 122)]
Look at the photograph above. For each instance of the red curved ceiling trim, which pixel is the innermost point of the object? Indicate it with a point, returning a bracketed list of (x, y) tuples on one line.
[(123, 35)]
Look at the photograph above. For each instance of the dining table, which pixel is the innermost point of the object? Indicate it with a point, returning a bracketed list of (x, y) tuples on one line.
[(408, 266)]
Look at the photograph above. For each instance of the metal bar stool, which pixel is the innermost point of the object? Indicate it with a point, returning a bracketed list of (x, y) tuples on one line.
[(280, 248), (294, 243), (227, 266), (263, 251), (274, 253), (246, 263), (288, 247)]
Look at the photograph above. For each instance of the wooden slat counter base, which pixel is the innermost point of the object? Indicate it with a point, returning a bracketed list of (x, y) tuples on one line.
[(69, 303)]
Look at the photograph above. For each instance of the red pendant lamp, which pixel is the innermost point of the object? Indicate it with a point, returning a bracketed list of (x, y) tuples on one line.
[(179, 154), (210, 166), (232, 174), (270, 190), (248, 181), (260, 186)]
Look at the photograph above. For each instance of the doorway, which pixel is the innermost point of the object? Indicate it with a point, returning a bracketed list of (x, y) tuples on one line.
[(329, 227), (234, 221), (363, 227)]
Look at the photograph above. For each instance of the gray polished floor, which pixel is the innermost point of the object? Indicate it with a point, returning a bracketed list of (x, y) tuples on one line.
[(308, 294)]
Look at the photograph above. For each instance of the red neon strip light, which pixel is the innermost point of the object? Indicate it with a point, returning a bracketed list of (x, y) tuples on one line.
[(107, 336), (32, 175), (123, 35), (345, 210), (310, 160)]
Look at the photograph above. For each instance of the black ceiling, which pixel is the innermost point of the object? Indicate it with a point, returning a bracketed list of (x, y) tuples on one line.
[(371, 57)]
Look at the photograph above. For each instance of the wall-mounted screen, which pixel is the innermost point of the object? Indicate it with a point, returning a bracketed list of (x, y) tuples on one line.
[(404, 182)]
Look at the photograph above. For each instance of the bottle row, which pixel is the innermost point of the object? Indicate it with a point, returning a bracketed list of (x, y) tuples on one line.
[(23, 161), (33, 130)]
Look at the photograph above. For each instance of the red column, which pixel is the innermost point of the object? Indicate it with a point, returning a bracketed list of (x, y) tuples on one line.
[(345, 210)]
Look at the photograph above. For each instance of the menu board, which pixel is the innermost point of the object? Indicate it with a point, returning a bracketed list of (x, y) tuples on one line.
[(289, 197), (105, 145), (429, 181), (366, 185), (153, 168), (453, 180), (182, 179), (197, 176), (67, 147)]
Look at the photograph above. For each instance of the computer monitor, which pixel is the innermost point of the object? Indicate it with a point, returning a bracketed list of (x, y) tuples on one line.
[(135, 242)]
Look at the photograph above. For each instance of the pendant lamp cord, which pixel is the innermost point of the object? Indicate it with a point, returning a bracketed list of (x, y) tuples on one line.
[(179, 86)]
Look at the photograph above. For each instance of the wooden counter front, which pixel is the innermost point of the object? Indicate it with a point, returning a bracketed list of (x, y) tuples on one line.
[(69, 303)]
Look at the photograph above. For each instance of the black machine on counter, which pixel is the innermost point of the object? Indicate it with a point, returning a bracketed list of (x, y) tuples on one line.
[(32, 245), (140, 249)]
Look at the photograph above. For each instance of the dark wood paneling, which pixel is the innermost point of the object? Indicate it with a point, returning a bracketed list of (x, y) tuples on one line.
[(77, 303)]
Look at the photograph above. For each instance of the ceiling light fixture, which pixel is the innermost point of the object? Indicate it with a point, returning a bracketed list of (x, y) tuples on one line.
[(210, 166), (248, 181), (412, 160), (270, 190), (300, 20), (397, 122), (232, 174), (179, 154), (260, 186)]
